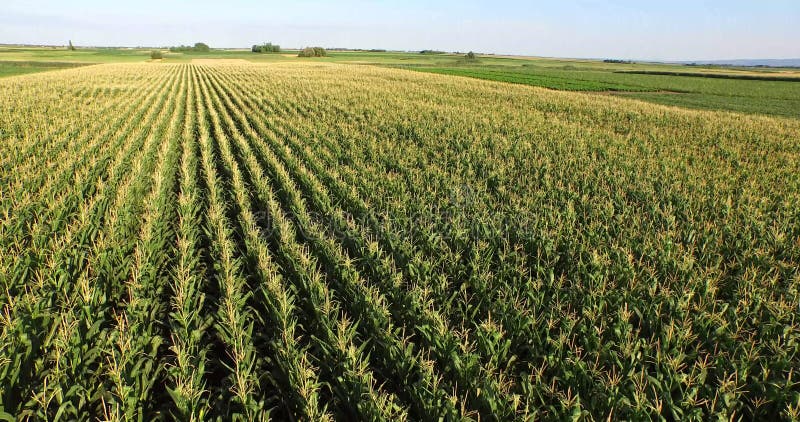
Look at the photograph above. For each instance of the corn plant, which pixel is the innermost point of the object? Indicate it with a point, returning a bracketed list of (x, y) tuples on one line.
[(320, 241)]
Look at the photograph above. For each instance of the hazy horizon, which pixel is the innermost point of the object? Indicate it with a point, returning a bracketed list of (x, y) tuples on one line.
[(679, 31)]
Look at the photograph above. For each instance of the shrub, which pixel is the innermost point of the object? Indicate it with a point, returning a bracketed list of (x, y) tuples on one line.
[(313, 52), (470, 56), (156, 55)]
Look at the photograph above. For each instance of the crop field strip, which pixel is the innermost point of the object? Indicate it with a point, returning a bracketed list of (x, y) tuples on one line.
[(749, 93), (746, 77), (348, 242), (61, 263), (21, 67), (563, 83)]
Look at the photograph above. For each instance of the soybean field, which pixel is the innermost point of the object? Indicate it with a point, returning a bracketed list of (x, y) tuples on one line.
[(325, 241)]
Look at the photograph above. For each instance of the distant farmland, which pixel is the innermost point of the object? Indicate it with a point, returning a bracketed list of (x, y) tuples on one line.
[(757, 92), (16, 67), (314, 241)]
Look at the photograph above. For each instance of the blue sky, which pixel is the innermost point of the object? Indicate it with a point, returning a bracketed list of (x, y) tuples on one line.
[(663, 30)]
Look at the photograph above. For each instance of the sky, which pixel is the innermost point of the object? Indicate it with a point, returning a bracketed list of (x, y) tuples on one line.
[(623, 29)]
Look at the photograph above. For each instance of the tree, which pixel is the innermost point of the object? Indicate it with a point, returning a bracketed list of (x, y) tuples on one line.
[(470, 56), (197, 48), (71, 47), (266, 48), (156, 55)]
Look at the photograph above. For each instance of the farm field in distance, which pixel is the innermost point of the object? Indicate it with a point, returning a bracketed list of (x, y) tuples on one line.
[(374, 236), (771, 91), (13, 68), (773, 95)]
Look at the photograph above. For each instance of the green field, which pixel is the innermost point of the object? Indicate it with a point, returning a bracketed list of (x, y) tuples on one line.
[(547, 79), (239, 236), (13, 68), (694, 90)]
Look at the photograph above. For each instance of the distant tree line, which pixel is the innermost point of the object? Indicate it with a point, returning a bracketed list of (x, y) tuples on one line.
[(431, 52), (197, 48), (266, 48), (617, 61), (313, 52)]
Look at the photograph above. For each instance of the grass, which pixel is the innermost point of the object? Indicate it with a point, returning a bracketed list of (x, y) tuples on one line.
[(13, 68), (80, 55)]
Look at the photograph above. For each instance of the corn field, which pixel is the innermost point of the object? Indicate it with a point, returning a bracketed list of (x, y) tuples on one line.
[(339, 242)]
